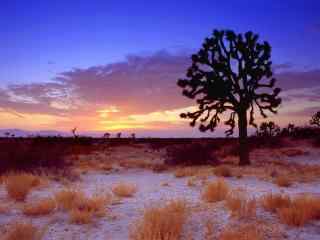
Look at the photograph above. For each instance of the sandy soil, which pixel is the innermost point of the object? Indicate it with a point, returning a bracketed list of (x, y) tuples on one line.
[(121, 217)]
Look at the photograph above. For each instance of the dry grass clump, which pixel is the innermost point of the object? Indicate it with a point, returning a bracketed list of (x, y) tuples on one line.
[(124, 189), (215, 191), (302, 210), (192, 182), (240, 206), (81, 208), (3, 209), (185, 172), (273, 202), (222, 171), (283, 181), (67, 198), (159, 223), (295, 211), (246, 232), (42, 207), (22, 231), (18, 185)]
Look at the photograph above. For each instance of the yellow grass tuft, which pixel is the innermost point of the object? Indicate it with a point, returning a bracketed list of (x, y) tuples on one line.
[(124, 190), (246, 232), (18, 185), (22, 231), (185, 172), (159, 223), (215, 191), (42, 207), (79, 216), (283, 181), (67, 198), (222, 171), (273, 202), (240, 206), (302, 210)]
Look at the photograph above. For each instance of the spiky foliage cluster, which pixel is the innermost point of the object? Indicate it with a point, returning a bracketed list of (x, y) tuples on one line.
[(268, 129), (231, 72), (315, 120)]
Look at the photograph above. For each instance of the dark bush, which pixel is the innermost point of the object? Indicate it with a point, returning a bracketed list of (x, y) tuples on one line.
[(29, 154), (190, 154)]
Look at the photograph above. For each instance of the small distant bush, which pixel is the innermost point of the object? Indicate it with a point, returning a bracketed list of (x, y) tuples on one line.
[(215, 191), (124, 190), (222, 171), (184, 172), (190, 154), (67, 198), (272, 202), (283, 181), (240, 206)]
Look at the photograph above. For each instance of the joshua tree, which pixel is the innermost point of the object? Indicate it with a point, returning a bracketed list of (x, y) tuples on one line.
[(231, 73), (74, 132), (315, 120), (119, 135), (268, 129), (106, 135), (133, 135)]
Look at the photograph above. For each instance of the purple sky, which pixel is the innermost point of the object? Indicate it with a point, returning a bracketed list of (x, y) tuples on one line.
[(113, 66)]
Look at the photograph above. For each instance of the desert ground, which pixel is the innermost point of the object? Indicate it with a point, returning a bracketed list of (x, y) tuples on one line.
[(127, 191)]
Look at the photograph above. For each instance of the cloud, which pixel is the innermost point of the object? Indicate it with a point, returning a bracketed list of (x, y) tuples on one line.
[(139, 92)]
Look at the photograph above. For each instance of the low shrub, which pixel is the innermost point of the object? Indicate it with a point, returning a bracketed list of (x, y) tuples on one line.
[(42, 207), (22, 231), (240, 206), (124, 190), (18, 185), (159, 223), (273, 202), (190, 154), (222, 171), (215, 191), (283, 181)]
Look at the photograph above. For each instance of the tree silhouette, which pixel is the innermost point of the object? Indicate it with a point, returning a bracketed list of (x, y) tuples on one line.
[(268, 129), (231, 73), (106, 135), (133, 135), (74, 132), (119, 135), (315, 120)]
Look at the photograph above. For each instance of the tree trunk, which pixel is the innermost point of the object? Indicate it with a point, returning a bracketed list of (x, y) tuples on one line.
[(243, 144)]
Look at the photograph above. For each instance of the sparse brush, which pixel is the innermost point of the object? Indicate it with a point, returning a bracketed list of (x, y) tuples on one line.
[(216, 191), (4, 209), (18, 185), (22, 231), (124, 190), (192, 182), (273, 202), (67, 198), (42, 207), (283, 181), (159, 223), (78, 216), (302, 210), (246, 232), (222, 171), (240, 206), (185, 172)]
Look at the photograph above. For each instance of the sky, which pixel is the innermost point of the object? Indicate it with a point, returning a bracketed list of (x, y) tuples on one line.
[(113, 65)]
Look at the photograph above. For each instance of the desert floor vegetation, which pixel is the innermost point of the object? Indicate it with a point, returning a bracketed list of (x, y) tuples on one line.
[(22, 231), (164, 222), (215, 191), (124, 189), (18, 185), (41, 207)]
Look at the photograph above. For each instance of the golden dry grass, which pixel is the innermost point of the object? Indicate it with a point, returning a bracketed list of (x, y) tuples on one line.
[(302, 210), (272, 202), (161, 223), (240, 206), (245, 232), (283, 181), (185, 172), (192, 182), (22, 231), (222, 171), (215, 191), (18, 185), (42, 207), (67, 198), (124, 189), (79, 216)]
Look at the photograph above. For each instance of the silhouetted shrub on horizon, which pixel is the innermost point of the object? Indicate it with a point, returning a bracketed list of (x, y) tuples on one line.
[(190, 154)]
